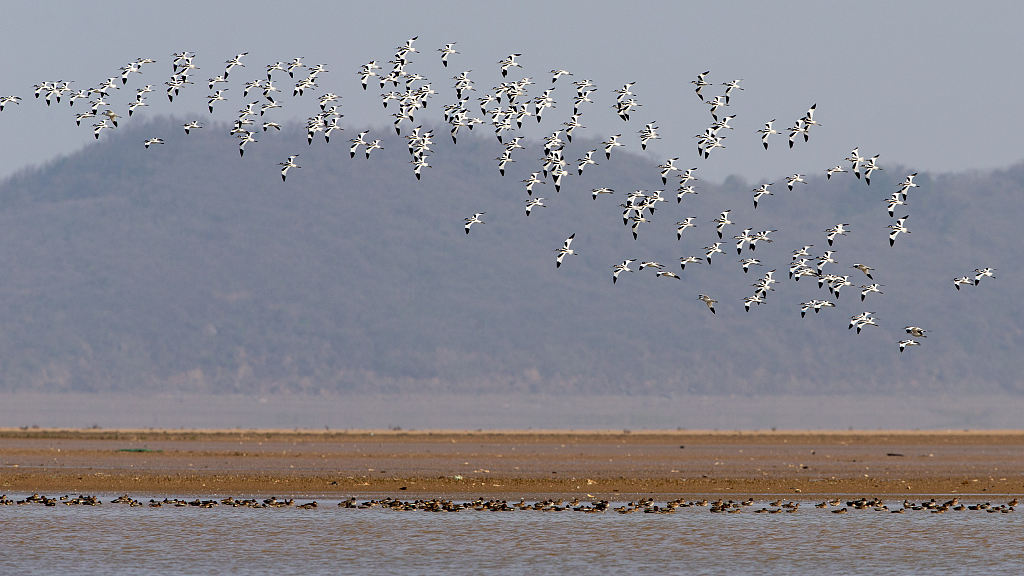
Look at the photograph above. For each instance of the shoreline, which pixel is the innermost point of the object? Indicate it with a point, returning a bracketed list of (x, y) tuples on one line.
[(513, 464)]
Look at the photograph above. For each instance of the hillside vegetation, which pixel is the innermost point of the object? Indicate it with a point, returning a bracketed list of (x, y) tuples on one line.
[(187, 267)]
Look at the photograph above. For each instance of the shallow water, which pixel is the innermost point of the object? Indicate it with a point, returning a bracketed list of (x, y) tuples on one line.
[(117, 539)]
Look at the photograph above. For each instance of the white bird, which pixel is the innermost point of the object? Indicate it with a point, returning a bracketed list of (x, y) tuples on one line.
[(686, 223), (768, 131), (190, 125), (624, 267), (802, 252), (97, 128), (447, 51), (894, 201), (290, 163), (722, 221), (790, 180), (906, 185), (508, 63), (865, 290), (244, 138), (371, 146), (564, 250), (556, 73), (904, 343), (236, 61), (651, 264), (666, 168), (218, 95), (979, 274), (474, 219), (153, 141), (648, 133), (897, 228), (707, 300), (816, 305), (808, 119), (829, 172), (714, 248), (916, 331), (534, 202), (729, 87), (597, 191), (587, 159), (748, 262), (871, 167), (684, 260), (683, 191), (965, 280), (865, 321), (863, 268), (4, 100), (701, 83), (755, 299), (666, 274), (838, 229), (761, 191), (612, 142)]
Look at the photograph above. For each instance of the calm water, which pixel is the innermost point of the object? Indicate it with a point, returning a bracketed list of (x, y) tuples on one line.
[(116, 539)]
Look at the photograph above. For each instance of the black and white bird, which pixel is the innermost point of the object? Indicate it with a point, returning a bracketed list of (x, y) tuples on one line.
[(760, 191), (904, 343), (722, 220), (474, 219), (534, 202), (837, 230), (790, 180), (768, 131), (864, 268), (916, 331), (447, 51), (865, 290), (981, 273), (564, 250), (897, 228), (713, 249), (748, 262), (624, 267), (684, 260), (686, 223), (707, 300), (287, 165), (700, 83)]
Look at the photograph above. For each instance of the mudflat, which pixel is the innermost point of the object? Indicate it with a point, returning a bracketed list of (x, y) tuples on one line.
[(512, 463)]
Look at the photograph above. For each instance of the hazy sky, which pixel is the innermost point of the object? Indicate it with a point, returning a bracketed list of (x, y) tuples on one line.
[(932, 85)]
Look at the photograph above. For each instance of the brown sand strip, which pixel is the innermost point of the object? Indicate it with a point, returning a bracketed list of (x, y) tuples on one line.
[(505, 464)]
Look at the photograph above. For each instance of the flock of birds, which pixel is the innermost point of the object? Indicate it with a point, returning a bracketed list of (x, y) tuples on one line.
[(644, 505), (507, 106)]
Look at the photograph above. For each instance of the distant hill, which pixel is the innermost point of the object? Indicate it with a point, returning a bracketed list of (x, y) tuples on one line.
[(187, 267)]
